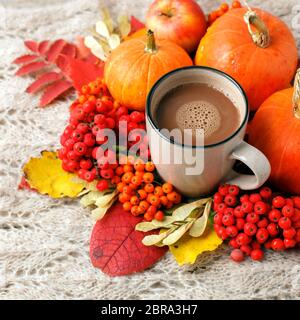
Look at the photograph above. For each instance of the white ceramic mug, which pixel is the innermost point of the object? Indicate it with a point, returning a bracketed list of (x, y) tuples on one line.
[(217, 160)]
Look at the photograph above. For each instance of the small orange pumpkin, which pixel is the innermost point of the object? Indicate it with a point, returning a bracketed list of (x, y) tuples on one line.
[(255, 48), (275, 130), (137, 64), (136, 34)]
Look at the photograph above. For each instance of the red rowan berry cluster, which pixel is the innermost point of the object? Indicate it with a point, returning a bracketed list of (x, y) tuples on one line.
[(94, 110), (224, 7), (253, 221)]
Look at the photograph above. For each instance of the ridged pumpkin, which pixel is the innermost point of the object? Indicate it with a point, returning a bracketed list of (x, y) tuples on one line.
[(255, 48), (275, 130), (137, 64)]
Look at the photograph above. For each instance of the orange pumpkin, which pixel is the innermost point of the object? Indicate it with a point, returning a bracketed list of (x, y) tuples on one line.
[(136, 34), (275, 130), (255, 48), (137, 64)]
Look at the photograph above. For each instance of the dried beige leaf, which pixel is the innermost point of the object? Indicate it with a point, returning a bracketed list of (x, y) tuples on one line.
[(114, 41), (168, 220), (102, 29), (124, 25), (99, 53), (184, 211), (154, 224), (199, 226), (184, 219), (90, 42), (96, 47), (145, 227), (104, 200), (92, 186), (177, 234), (103, 204), (91, 198), (107, 19), (99, 213), (156, 239)]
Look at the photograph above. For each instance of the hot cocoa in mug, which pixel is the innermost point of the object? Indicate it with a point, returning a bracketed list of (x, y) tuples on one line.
[(196, 121)]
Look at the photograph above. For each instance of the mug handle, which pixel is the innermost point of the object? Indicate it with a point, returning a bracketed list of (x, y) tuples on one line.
[(256, 161)]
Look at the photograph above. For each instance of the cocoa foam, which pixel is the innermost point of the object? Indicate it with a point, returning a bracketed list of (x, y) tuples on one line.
[(199, 115)]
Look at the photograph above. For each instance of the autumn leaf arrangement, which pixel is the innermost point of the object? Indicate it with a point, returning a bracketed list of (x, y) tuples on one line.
[(59, 66), (139, 217), (122, 241)]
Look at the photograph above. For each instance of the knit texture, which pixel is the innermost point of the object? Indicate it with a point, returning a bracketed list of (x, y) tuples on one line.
[(44, 243)]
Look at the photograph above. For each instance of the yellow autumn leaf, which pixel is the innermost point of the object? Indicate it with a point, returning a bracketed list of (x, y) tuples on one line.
[(46, 175), (188, 248)]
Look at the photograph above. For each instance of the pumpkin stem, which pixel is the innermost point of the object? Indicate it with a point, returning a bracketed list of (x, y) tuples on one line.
[(150, 46), (296, 97), (261, 37)]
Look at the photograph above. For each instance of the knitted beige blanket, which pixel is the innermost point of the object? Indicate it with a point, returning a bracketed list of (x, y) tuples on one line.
[(44, 243)]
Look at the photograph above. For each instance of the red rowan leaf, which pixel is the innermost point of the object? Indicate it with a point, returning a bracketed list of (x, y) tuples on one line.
[(44, 80), (55, 50), (26, 59), (32, 45), (51, 56), (136, 24), (83, 51), (62, 63), (69, 50), (116, 247), (43, 47), (54, 91), (94, 60), (82, 72), (31, 67)]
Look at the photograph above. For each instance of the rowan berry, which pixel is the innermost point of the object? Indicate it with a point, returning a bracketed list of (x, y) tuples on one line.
[(159, 215), (102, 185), (149, 166), (149, 188)]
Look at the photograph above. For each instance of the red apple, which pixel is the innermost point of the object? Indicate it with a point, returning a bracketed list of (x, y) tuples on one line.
[(181, 21)]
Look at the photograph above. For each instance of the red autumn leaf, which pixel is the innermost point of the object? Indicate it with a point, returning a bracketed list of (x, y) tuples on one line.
[(82, 72), (32, 45), (24, 185), (31, 67), (63, 64), (55, 50), (84, 53), (44, 80), (54, 91), (69, 50), (26, 59), (116, 247), (43, 47), (135, 25), (83, 50)]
